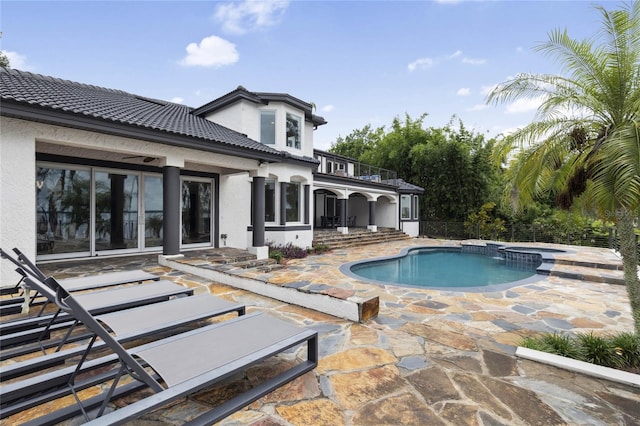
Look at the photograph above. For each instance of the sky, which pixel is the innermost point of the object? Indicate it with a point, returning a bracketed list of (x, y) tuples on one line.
[(359, 62)]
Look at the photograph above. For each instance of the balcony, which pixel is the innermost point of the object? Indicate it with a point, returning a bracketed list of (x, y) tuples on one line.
[(336, 165)]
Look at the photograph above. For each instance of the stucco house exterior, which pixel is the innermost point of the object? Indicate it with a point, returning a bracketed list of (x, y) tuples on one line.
[(88, 171)]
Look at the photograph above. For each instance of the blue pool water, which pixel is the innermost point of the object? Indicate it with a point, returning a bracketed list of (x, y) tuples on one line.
[(444, 268)]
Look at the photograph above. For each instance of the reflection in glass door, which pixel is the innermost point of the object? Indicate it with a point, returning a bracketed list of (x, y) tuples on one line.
[(116, 211), (196, 211), (152, 211), (63, 209)]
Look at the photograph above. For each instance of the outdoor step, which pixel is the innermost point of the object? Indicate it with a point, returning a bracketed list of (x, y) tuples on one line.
[(347, 240), (253, 263), (587, 273), (612, 266)]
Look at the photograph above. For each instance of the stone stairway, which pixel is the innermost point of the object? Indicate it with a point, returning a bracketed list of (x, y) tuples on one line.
[(588, 271), (227, 259), (335, 240)]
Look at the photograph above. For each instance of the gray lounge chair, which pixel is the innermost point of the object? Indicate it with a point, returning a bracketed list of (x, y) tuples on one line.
[(132, 324), (14, 305), (98, 302), (178, 363)]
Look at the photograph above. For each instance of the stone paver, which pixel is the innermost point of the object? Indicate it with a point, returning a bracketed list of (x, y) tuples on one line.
[(429, 357)]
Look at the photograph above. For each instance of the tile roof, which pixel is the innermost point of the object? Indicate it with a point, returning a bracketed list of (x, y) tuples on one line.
[(118, 107), (241, 93), (405, 186)]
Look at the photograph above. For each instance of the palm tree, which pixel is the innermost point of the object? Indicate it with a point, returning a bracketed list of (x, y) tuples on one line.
[(585, 138)]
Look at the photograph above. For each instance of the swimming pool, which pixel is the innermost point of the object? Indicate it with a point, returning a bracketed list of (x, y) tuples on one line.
[(447, 268)]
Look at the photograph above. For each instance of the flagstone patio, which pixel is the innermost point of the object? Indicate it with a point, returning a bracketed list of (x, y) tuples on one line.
[(430, 357)]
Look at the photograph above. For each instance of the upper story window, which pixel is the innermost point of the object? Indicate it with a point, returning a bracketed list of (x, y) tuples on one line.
[(294, 131), (268, 127)]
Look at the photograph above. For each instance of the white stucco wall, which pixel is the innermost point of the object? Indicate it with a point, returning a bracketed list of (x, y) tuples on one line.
[(17, 189), (238, 117), (386, 213), (411, 228)]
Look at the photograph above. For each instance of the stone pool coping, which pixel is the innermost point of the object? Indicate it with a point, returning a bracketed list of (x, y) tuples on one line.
[(542, 270)]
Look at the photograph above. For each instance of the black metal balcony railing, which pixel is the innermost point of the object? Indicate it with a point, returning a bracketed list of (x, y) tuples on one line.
[(361, 171)]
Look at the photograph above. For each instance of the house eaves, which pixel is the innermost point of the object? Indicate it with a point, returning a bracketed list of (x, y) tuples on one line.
[(64, 103)]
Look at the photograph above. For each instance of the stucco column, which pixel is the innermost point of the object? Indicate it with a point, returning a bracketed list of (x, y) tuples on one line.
[(342, 208), (258, 211), (307, 201), (170, 210), (372, 217), (283, 203)]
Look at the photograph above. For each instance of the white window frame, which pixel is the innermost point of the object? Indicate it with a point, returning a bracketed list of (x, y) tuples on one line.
[(275, 125), (405, 203)]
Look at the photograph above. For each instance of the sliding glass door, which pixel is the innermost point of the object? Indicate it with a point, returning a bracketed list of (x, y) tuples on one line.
[(63, 210), (116, 211), (84, 211)]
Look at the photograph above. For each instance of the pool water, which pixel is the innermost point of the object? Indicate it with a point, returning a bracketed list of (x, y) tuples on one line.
[(444, 268)]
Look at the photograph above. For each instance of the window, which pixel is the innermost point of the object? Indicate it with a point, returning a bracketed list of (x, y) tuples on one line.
[(293, 202), (416, 205), (268, 127), (293, 131), (405, 207), (270, 201)]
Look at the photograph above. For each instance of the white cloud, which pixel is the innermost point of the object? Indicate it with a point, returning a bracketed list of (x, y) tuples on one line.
[(485, 90), (463, 91), (328, 108), (422, 63), (247, 15), (473, 61), (212, 51), (478, 107), (519, 49), (17, 60), (177, 100), (524, 105), (448, 1), (426, 63)]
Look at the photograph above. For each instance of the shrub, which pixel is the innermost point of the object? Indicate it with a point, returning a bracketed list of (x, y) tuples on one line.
[(626, 347), (276, 255), (598, 350), (287, 251), (320, 248), (561, 344), (619, 351)]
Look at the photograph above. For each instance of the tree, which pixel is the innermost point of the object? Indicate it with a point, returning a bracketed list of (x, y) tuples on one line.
[(585, 138), (4, 61), (358, 144)]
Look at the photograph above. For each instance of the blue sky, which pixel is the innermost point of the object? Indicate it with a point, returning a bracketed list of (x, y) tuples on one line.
[(359, 62)]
